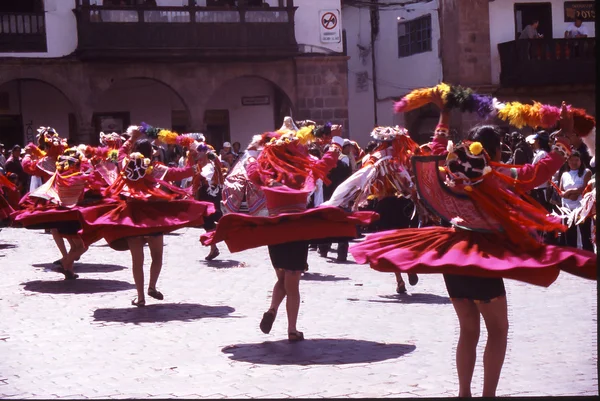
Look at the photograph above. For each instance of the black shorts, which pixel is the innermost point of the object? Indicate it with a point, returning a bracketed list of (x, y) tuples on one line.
[(478, 289), (289, 256)]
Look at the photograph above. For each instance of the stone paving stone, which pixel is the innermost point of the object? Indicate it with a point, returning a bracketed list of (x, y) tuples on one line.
[(83, 338)]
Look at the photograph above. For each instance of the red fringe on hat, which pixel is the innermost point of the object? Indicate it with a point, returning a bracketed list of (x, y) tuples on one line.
[(404, 147), (289, 164), (583, 123), (518, 213)]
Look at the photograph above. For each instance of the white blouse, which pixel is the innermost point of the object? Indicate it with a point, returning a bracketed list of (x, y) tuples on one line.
[(569, 180)]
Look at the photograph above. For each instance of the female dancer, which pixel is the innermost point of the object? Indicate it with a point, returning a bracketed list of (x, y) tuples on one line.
[(507, 247), (287, 175), (143, 206), (384, 178), (40, 163), (56, 204)]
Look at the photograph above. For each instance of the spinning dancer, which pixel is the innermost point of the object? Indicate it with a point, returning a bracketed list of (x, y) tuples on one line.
[(384, 177), (207, 185), (40, 163), (142, 205), (287, 175), (494, 236), (55, 205)]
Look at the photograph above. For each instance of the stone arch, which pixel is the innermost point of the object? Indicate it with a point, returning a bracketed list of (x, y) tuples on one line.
[(29, 97), (106, 86), (244, 120)]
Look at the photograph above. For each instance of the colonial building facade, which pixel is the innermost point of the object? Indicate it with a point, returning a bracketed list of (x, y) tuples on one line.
[(227, 69), (395, 47)]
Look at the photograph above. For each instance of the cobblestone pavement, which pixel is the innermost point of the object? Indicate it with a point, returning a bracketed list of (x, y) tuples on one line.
[(82, 338)]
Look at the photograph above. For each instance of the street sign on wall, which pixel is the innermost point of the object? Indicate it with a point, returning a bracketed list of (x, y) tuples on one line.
[(329, 26), (582, 9)]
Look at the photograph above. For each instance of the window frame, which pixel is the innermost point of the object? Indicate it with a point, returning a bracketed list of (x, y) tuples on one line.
[(415, 40)]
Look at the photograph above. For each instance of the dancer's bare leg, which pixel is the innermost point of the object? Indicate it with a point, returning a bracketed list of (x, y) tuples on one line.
[(466, 350), (156, 245), (136, 247), (495, 315), (60, 243)]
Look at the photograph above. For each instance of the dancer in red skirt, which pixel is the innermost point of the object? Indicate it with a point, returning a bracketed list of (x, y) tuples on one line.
[(494, 236), (40, 163), (141, 206), (385, 178), (287, 175), (55, 205)]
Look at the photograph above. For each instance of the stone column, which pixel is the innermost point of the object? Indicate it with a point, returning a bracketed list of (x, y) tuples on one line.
[(322, 89), (465, 49)]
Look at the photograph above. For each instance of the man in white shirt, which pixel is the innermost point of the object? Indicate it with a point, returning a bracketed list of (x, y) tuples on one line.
[(576, 30)]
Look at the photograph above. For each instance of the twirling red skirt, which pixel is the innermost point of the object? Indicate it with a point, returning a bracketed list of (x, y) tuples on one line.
[(241, 231), (455, 251)]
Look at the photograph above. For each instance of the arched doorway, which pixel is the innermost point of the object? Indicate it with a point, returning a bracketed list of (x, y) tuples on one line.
[(244, 107), (136, 100), (27, 104)]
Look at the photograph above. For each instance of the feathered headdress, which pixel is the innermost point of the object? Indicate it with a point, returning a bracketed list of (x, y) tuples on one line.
[(516, 113)]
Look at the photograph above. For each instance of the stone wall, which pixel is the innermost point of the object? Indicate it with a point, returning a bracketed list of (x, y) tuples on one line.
[(316, 86), (322, 84)]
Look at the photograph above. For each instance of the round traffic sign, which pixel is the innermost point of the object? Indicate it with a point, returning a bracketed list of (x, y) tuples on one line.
[(329, 20)]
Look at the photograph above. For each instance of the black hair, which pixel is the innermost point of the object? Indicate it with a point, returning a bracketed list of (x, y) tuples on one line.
[(581, 169), (544, 143), (489, 136), (144, 146), (535, 21), (15, 148), (371, 146), (579, 18)]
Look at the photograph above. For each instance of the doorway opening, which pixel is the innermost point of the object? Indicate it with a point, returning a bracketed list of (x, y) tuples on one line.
[(526, 13), (217, 127)]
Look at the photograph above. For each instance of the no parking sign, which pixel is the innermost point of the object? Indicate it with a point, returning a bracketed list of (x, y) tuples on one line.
[(329, 26)]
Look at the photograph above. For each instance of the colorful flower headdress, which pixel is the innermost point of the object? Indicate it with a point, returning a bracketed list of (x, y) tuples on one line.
[(112, 140), (97, 154), (387, 133), (469, 170), (50, 137), (69, 160), (163, 135), (515, 113)]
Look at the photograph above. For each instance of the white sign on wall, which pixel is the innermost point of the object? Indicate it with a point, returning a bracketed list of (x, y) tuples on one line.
[(329, 26)]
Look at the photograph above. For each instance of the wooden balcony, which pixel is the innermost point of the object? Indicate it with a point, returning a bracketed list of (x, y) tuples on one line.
[(184, 33), (22, 32), (538, 62)]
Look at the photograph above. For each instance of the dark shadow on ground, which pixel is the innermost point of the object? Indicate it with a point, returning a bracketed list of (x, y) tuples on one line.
[(414, 298), (7, 246), (328, 351), (224, 263), (79, 286), (84, 267), (338, 262), (155, 313), (322, 277)]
